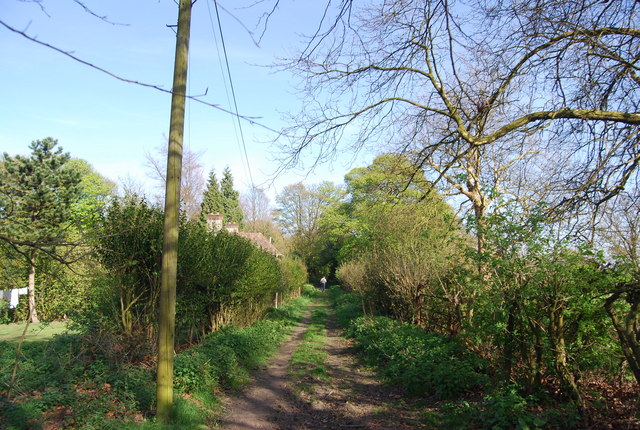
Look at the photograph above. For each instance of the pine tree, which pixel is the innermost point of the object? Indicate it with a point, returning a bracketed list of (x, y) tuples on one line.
[(231, 198), (37, 194), (212, 199)]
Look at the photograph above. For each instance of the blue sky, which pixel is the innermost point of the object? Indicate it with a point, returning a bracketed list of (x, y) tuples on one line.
[(112, 124)]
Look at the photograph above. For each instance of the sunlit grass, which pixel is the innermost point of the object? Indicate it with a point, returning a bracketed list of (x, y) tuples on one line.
[(36, 331), (308, 361)]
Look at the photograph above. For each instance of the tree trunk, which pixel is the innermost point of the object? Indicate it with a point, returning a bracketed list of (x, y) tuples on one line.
[(166, 323), (509, 346), (559, 351), (628, 331), (33, 315), (418, 310), (364, 308), (534, 354)]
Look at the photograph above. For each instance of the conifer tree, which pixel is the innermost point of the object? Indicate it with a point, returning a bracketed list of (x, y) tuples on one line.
[(37, 194), (231, 198), (212, 199)]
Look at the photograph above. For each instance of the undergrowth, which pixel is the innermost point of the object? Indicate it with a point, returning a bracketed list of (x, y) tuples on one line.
[(60, 384), (422, 363), (437, 367)]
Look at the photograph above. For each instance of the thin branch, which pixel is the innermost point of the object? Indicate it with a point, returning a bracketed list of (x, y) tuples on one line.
[(250, 120), (102, 18)]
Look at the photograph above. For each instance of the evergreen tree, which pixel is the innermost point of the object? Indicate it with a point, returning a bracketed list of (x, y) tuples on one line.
[(231, 199), (212, 199), (37, 195)]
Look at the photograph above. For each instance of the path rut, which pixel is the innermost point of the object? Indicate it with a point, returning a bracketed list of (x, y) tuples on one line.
[(351, 397)]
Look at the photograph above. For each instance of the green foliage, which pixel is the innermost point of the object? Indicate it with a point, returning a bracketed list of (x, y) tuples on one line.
[(505, 409), (222, 275), (222, 278), (230, 198), (294, 274), (62, 382), (346, 306), (422, 363), (131, 250), (299, 211), (386, 189), (541, 307), (37, 194), (211, 199), (309, 290), (96, 192), (5, 318), (13, 271), (397, 241)]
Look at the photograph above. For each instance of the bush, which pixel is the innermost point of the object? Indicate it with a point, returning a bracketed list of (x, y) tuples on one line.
[(222, 278), (4, 312), (195, 370), (502, 409), (294, 274)]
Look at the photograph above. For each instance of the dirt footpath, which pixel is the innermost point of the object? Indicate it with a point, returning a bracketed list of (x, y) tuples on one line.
[(350, 398)]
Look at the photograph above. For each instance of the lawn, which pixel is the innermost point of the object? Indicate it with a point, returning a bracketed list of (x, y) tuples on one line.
[(36, 331)]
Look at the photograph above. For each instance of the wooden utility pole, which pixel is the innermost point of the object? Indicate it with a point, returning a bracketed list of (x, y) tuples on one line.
[(166, 322)]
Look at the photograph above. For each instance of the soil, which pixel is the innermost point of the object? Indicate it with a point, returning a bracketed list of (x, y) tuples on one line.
[(350, 398)]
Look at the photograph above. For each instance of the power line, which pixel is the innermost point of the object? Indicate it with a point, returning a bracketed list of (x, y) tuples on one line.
[(226, 88), (233, 93), (197, 99)]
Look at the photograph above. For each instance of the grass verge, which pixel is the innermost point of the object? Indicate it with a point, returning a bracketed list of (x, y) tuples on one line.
[(60, 386), (308, 361)]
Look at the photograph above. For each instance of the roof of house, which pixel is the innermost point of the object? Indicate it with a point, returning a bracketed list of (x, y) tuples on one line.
[(261, 241)]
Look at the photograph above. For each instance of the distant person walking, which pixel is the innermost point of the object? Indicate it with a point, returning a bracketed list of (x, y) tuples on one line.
[(323, 283)]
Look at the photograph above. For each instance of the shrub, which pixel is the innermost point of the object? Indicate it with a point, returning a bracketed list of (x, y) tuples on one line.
[(294, 274), (194, 370), (222, 278), (501, 409), (4, 312)]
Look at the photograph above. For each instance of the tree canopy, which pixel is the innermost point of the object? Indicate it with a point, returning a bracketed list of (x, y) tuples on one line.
[(211, 198), (37, 195)]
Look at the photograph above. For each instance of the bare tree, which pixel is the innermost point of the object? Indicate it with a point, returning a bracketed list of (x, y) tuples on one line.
[(446, 79), (255, 205), (620, 227), (192, 180)]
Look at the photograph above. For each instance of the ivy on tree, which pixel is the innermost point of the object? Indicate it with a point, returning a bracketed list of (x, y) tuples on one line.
[(37, 194)]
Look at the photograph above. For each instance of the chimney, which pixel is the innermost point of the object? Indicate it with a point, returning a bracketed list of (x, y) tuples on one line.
[(232, 227), (214, 222)]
